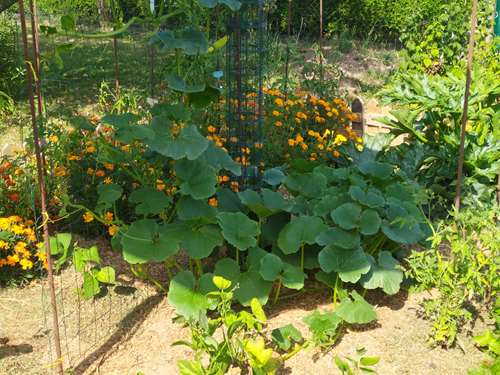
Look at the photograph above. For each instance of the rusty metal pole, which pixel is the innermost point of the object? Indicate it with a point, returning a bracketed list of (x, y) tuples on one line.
[(468, 78), (41, 185), (36, 53)]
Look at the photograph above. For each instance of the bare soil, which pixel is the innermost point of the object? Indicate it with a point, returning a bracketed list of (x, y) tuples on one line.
[(130, 330)]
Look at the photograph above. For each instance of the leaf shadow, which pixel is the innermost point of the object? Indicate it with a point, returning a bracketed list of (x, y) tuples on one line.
[(126, 329), (14, 350)]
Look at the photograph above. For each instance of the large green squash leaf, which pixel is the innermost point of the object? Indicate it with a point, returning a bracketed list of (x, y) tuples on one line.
[(347, 216), (182, 295), (194, 209), (271, 266), (198, 241), (310, 185), (375, 169), (197, 178), (369, 222), (385, 274), (301, 230), (145, 241), (370, 197), (357, 310), (252, 285), (220, 159), (238, 229), (107, 195), (189, 143), (149, 201), (339, 237), (350, 265)]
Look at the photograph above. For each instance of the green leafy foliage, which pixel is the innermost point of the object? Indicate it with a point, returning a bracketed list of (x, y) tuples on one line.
[(359, 364), (462, 264), (356, 310)]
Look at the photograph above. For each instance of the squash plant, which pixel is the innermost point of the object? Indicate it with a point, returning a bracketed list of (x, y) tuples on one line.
[(345, 224)]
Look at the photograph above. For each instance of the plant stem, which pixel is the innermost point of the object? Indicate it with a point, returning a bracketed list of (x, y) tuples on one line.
[(302, 257), (238, 256), (335, 292), (278, 289), (199, 267)]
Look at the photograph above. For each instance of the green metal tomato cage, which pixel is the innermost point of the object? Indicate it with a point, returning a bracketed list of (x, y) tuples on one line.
[(245, 59)]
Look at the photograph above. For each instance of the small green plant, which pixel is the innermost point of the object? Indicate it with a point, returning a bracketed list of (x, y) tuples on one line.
[(243, 343), (462, 263), (359, 364), (489, 341)]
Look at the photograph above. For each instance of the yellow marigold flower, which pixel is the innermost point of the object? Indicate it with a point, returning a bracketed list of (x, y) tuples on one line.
[(319, 120), (4, 245), (90, 171), (359, 139), (211, 129), (18, 172), (125, 148), (291, 142), (299, 138), (335, 153), (60, 171), (41, 255), (278, 124), (112, 230), (259, 145), (276, 113), (320, 146), (108, 217), (74, 157), (340, 139), (17, 229), (100, 173), (53, 138), (160, 185), (329, 114), (108, 181), (90, 149), (88, 217), (26, 264), (304, 146), (20, 247), (213, 202), (279, 102)]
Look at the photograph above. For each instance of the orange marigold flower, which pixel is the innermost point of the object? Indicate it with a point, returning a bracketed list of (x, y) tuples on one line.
[(100, 173), (60, 171), (108, 181), (276, 113), (88, 217), (108, 217), (211, 129), (109, 166), (278, 124), (213, 202), (113, 230), (279, 102)]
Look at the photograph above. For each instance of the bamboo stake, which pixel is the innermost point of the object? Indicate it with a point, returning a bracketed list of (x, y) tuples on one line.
[(41, 185), (461, 152), (321, 40), (36, 53)]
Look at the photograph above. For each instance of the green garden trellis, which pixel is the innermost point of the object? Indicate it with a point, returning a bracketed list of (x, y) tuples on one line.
[(244, 75)]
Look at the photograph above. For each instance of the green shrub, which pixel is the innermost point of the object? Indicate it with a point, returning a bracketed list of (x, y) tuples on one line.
[(381, 19), (462, 264), (434, 44), (10, 61)]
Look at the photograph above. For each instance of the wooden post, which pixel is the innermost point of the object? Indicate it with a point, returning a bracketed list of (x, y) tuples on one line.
[(461, 150), (359, 124), (41, 185)]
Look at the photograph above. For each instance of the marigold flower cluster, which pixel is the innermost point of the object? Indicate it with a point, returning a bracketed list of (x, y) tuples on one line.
[(19, 248), (302, 125)]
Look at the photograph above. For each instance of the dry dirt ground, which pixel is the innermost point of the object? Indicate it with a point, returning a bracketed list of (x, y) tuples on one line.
[(130, 330)]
